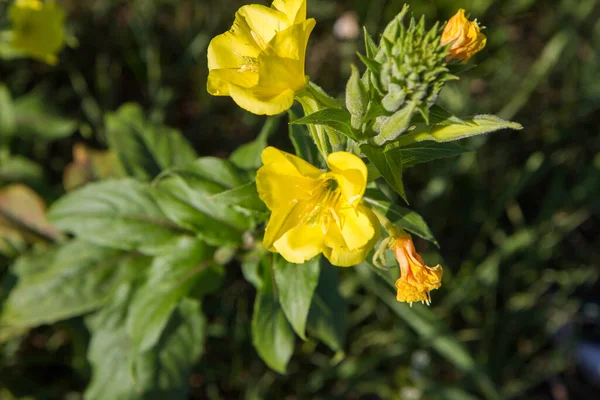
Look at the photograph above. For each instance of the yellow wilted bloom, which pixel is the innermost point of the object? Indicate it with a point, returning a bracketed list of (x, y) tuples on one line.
[(416, 279), (315, 212), (465, 36), (259, 62), (37, 29)]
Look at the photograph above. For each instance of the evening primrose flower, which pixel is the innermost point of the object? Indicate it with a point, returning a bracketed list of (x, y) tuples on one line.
[(259, 62), (314, 211), (416, 279), (37, 29), (465, 37)]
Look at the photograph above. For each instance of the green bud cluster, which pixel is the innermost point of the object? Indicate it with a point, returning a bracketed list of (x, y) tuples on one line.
[(404, 76)]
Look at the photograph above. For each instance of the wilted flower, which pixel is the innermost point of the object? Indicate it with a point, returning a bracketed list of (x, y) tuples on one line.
[(37, 29), (465, 36), (315, 212), (416, 279), (259, 62)]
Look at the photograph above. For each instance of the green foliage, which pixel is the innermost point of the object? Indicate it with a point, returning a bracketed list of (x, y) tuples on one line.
[(272, 335), (152, 283), (143, 148), (119, 213)]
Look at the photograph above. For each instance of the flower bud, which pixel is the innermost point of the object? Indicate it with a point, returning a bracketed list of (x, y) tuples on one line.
[(404, 76), (416, 279), (464, 36)]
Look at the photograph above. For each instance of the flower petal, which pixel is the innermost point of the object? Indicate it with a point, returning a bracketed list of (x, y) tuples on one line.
[(284, 178), (38, 29), (250, 101), (301, 243), (295, 10), (219, 80), (264, 22), (232, 48), (337, 250), (351, 174)]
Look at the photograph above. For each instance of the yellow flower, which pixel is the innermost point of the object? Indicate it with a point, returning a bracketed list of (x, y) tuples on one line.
[(38, 29), (416, 279), (315, 212), (259, 62), (465, 36)]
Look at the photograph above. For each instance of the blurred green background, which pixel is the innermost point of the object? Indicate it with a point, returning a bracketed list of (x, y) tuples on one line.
[(517, 220)]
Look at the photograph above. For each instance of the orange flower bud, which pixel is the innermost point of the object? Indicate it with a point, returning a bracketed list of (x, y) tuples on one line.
[(465, 37), (416, 279)]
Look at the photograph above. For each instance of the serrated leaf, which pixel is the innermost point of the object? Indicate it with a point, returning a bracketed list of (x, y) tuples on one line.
[(403, 217), (389, 166), (272, 335), (145, 149), (37, 120), (328, 311), (65, 282), (188, 196), (247, 156), (478, 125), (335, 118), (296, 284), (171, 277), (120, 214), (162, 372)]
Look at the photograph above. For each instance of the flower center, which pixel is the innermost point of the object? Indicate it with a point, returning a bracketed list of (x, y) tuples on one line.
[(322, 204), (250, 65)]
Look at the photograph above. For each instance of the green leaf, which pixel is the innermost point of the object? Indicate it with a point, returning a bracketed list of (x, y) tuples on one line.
[(65, 282), (18, 169), (389, 166), (423, 152), (145, 149), (37, 120), (170, 278), (189, 197), (7, 114), (162, 372), (335, 118), (304, 145), (403, 217), (440, 116), (296, 284), (121, 214), (272, 335), (248, 155), (244, 199), (328, 311), (478, 125), (370, 46)]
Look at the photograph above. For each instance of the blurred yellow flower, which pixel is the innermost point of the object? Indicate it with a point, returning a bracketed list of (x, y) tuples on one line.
[(315, 212), (416, 279), (259, 62), (465, 36), (37, 29)]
